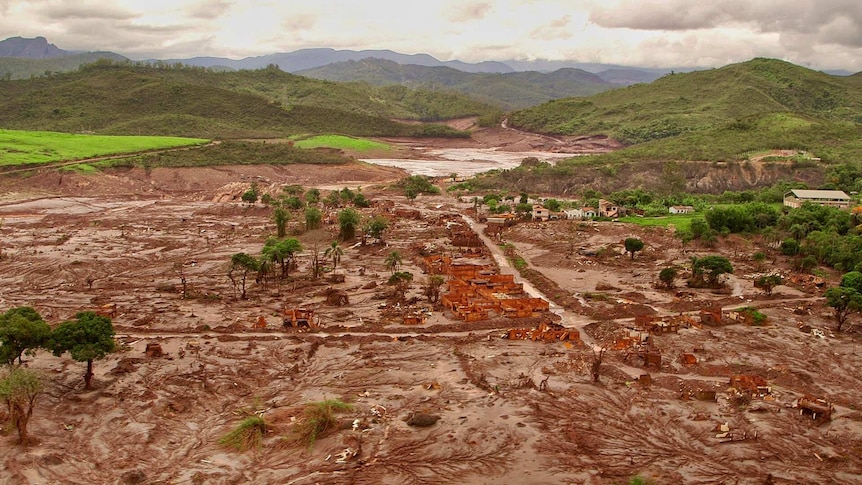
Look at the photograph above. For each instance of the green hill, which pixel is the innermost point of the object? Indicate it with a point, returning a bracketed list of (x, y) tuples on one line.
[(513, 90), (22, 68), (128, 99), (727, 102)]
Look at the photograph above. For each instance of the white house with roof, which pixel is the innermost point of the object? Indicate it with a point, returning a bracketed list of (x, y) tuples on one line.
[(680, 209), (831, 198), (540, 213)]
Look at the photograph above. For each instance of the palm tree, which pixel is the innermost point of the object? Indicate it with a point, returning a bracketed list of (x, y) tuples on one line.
[(393, 261), (334, 251)]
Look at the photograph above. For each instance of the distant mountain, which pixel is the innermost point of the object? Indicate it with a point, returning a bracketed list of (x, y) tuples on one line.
[(37, 48), (627, 77), (513, 90), (128, 98), (311, 58)]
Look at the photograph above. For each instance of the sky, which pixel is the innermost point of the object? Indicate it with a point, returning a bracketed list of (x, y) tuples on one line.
[(821, 34)]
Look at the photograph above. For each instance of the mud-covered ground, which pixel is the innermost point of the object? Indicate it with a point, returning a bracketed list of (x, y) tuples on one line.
[(509, 411)]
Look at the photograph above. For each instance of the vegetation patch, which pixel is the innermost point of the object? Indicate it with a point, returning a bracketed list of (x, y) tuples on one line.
[(35, 147), (342, 143), (317, 419), (247, 435)]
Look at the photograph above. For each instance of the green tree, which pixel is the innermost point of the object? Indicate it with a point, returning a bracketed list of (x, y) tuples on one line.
[(87, 338), (312, 196), (633, 245), (768, 282), (432, 288), (707, 270), (348, 219), (251, 195), (241, 265), (22, 330), (334, 252), (789, 247), (843, 301), (375, 227), (313, 216), (667, 276), (333, 199), (281, 252), (20, 388), (359, 200), (393, 261), (552, 205), (280, 216), (759, 259), (852, 279)]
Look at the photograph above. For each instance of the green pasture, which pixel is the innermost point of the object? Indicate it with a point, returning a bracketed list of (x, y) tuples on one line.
[(36, 147), (342, 143), (679, 221)]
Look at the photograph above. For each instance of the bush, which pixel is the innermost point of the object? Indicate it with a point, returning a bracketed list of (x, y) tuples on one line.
[(400, 276), (248, 435), (318, 418)]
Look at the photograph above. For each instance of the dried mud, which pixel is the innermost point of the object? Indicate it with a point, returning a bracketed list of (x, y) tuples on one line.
[(510, 411)]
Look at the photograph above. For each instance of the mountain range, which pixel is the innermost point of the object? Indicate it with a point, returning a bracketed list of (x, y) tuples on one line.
[(305, 59)]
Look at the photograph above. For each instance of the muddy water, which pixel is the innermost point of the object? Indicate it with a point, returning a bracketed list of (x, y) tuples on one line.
[(465, 161)]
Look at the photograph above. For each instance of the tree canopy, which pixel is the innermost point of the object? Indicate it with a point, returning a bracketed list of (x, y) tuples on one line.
[(87, 338), (22, 330)]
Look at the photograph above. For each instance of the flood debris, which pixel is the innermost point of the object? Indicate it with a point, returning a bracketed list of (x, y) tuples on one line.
[(752, 385), (547, 332), (154, 350), (299, 318), (817, 408)]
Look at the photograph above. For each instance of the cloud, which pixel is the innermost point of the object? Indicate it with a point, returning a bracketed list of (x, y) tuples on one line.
[(209, 9), (555, 30), (302, 21), (467, 11)]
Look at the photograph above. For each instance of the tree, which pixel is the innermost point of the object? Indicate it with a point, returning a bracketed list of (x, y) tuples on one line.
[(552, 205), (706, 270), (333, 199), (768, 282), (348, 219), (852, 279), (22, 330), (241, 264), (843, 301), (312, 196), (393, 261), (316, 264), (666, 276), (280, 216), (432, 288), (334, 251), (633, 245), (313, 217), (759, 259), (282, 252), (87, 338), (375, 227), (20, 389)]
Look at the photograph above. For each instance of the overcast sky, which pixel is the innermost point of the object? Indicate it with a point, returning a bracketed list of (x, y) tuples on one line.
[(822, 34)]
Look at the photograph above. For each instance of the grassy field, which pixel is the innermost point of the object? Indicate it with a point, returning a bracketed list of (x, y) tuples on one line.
[(342, 143), (679, 221), (35, 147)]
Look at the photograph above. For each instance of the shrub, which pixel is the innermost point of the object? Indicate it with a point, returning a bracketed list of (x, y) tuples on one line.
[(318, 418), (247, 435)]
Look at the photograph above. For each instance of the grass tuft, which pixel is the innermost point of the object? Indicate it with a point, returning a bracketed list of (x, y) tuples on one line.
[(318, 418), (247, 435)]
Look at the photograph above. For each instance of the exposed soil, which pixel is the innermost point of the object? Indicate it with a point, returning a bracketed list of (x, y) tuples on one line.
[(77, 242)]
